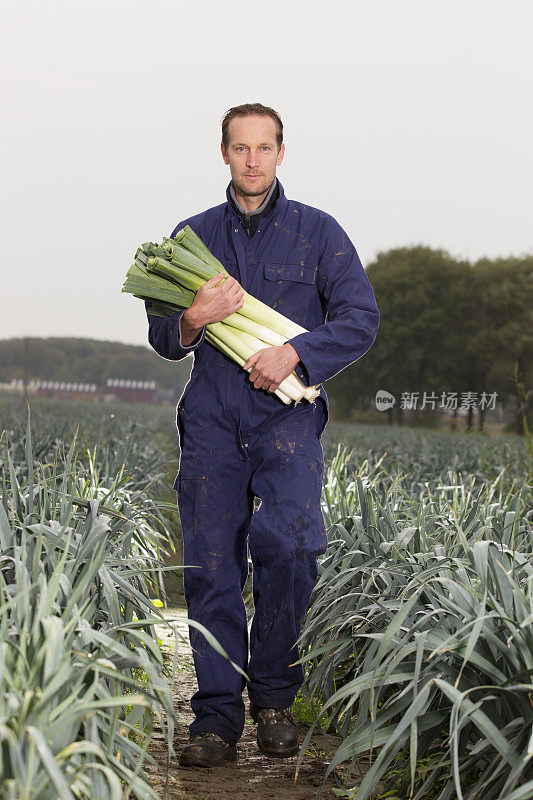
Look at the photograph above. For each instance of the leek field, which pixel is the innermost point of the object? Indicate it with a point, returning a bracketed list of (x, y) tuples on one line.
[(418, 642)]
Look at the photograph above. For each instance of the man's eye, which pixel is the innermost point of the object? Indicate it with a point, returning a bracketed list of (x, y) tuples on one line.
[(239, 148), (265, 147)]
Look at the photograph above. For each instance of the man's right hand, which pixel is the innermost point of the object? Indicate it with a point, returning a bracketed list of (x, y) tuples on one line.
[(215, 300)]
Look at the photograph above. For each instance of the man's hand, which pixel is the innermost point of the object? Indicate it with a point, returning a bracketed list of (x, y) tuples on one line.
[(271, 366), (215, 300)]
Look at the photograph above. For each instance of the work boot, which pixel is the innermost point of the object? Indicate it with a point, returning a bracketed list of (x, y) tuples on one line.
[(277, 734), (206, 749)]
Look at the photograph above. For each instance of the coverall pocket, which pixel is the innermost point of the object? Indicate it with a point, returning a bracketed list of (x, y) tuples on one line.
[(193, 469), (290, 289), (290, 272), (195, 449)]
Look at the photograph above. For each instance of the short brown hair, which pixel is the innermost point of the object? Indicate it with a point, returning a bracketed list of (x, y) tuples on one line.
[(251, 110)]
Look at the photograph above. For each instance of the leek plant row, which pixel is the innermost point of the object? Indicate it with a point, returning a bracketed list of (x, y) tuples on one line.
[(418, 640), (83, 677)]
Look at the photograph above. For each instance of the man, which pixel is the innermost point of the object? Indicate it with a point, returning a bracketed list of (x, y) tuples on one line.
[(238, 441)]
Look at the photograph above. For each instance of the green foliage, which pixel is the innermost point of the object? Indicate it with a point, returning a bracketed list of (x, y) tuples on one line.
[(80, 560), (303, 708), (422, 455), (418, 642)]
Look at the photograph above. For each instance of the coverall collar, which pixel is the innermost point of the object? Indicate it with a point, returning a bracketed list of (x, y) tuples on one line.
[(264, 205), (274, 208)]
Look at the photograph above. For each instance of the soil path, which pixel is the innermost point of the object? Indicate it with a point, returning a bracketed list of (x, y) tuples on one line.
[(253, 775)]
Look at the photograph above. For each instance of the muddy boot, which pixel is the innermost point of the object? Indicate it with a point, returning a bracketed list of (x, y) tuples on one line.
[(277, 734), (207, 750)]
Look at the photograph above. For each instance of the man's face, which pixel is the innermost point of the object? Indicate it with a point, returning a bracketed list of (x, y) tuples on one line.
[(252, 154)]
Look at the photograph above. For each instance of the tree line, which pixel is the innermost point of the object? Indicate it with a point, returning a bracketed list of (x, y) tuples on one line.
[(447, 326), (83, 360)]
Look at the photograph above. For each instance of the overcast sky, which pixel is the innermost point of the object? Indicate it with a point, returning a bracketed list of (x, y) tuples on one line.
[(409, 122)]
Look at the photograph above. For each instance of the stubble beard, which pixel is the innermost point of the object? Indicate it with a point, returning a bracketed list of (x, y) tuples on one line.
[(252, 192)]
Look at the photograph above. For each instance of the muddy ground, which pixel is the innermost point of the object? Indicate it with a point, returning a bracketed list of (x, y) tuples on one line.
[(253, 776)]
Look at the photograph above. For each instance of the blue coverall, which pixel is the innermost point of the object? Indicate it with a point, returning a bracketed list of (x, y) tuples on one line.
[(238, 442)]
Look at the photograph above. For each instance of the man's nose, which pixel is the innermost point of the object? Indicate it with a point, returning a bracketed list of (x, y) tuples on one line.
[(253, 159)]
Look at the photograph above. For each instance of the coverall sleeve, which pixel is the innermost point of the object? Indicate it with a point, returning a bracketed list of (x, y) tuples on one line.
[(164, 333), (352, 319)]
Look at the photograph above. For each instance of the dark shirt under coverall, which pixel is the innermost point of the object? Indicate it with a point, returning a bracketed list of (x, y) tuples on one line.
[(238, 443)]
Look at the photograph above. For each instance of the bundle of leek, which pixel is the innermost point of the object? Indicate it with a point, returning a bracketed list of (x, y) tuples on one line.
[(171, 273)]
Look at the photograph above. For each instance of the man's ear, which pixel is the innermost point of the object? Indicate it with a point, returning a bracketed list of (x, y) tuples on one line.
[(280, 155), (224, 153)]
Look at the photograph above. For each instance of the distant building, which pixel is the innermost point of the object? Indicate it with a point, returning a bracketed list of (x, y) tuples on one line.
[(67, 389), (131, 391), (126, 390)]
